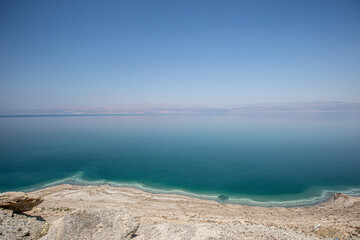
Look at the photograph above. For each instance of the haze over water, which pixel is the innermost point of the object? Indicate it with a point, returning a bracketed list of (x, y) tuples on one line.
[(260, 156)]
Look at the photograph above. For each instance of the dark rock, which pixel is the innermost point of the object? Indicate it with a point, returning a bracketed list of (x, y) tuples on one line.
[(223, 197), (19, 201)]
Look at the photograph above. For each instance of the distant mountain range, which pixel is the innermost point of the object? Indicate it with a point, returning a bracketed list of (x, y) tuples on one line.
[(318, 106)]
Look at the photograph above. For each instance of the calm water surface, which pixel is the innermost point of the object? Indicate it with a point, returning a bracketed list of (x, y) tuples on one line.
[(263, 156)]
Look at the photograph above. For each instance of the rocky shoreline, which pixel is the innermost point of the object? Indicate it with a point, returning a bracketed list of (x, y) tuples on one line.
[(106, 212)]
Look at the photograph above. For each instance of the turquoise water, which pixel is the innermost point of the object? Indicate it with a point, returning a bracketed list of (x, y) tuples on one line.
[(262, 157)]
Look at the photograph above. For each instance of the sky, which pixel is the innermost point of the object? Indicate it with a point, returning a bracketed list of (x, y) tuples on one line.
[(68, 53)]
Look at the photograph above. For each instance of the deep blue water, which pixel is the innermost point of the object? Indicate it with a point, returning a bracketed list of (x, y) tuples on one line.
[(262, 156)]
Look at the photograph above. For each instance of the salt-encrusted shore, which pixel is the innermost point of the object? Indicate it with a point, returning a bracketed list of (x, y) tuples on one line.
[(106, 212), (170, 216)]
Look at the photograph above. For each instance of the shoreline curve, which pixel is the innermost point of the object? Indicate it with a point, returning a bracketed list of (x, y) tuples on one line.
[(325, 194)]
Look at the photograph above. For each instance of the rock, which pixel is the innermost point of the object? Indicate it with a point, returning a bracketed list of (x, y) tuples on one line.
[(19, 201), (223, 197), (18, 226), (99, 224), (337, 196)]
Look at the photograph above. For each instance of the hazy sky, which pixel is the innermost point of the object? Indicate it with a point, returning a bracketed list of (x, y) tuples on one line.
[(96, 53)]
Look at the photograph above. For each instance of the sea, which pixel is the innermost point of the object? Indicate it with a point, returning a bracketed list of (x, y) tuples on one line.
[(264, 159)]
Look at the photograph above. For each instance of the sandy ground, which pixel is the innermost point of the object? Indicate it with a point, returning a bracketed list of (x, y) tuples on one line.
[(339, 217)]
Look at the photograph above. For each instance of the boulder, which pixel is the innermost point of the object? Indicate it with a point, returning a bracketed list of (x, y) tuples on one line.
[(19, 201), (99, 224)]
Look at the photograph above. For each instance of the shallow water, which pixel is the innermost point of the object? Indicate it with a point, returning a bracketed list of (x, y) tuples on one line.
[(260, 156)]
